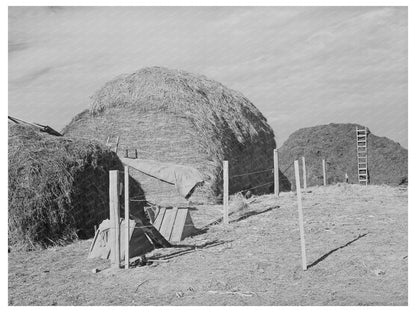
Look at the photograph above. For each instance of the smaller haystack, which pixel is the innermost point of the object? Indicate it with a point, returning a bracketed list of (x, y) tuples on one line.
[(337, 143), (58, 187)]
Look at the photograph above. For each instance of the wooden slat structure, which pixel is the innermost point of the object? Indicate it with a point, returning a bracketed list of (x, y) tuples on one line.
[(174, 223)]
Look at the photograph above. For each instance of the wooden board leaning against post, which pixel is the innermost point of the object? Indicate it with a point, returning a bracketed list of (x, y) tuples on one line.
[(324, 170), (304, 173), (276, 172), (126, 218), (300, 213), (115, 218), (225, 191)]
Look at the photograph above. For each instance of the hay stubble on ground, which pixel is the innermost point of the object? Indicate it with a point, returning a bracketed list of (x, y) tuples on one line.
[(356, 242)]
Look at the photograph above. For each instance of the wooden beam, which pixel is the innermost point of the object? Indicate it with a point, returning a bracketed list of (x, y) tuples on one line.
[(304, 173), (225, 191), (118, 140), (126, 218), (115, 218), (276, 172), (300, 214)]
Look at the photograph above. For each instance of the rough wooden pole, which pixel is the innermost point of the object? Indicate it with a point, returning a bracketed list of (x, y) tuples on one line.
[(118, 140), (324, 170), (304, 173), (276, 172), (300, 213), (126, 218), (225, 198), (115, 218)]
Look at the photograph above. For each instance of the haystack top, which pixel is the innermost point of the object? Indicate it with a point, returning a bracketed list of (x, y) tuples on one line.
[(181, 93)]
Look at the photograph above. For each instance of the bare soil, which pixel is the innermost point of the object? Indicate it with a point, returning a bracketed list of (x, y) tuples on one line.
[(356, 244)]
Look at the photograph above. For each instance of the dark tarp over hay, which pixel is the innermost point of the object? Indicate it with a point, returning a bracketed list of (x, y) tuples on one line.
[(177, 117), (337, 143), (58, 187)]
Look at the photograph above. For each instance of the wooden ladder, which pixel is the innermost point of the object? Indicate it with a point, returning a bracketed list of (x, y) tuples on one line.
[(362, 155), (112, 145)]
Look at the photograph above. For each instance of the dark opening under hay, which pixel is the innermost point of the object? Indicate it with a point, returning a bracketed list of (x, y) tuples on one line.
[(337, 143), (177, 117), (58, 187)]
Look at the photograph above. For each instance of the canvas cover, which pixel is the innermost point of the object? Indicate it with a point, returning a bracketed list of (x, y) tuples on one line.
[(139, 244), (185, 178)]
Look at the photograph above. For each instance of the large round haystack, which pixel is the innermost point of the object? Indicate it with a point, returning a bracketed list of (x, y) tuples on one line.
[(177, 117), (58, 187), (337, 143)]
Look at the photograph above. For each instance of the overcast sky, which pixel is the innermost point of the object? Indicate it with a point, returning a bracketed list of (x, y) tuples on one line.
[(301, 66)]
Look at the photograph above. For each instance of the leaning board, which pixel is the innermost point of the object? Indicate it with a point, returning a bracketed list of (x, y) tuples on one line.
[(174, 223)]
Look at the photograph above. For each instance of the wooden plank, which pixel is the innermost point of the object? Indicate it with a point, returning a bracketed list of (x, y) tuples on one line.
[(225, 191), (159, 218), (304, 173), (93, 241), (300, 214), (115, 218), (126, 218), (276, 172), (167, 223), (179, 225), (118, 140), (172, 223)]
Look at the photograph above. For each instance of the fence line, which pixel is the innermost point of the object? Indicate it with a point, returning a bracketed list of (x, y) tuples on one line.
[(287, 168), (254, 172)]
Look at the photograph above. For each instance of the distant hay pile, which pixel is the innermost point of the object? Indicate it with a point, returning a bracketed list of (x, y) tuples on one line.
[(177, 117), (58, 187), (337, 143)]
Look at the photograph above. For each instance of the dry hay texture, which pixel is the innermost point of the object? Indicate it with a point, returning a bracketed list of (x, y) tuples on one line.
[(178, 117), (58, 187), (337, 143)]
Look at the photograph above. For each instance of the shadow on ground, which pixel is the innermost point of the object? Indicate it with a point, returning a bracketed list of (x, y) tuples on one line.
[(333, 250)]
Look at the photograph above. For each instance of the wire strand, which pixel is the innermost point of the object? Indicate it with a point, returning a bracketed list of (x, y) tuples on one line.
[(248, 173)]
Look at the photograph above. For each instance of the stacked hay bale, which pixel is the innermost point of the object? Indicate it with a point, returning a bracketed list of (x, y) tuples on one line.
[(58, 187), (337, 143), (178, 117)]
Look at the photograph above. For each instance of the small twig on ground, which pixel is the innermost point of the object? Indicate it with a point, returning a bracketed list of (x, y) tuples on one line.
[(240, 293), (140, 285)]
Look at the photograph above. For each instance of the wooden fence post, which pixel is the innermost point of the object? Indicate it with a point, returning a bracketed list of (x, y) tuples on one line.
[(276, 172), (304, 173), (115, 218), (324, 170), (225, 191), (300, 213), (126, 218)]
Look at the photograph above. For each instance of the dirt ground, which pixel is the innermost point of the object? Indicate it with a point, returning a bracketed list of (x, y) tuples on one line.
[(356, 244)]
